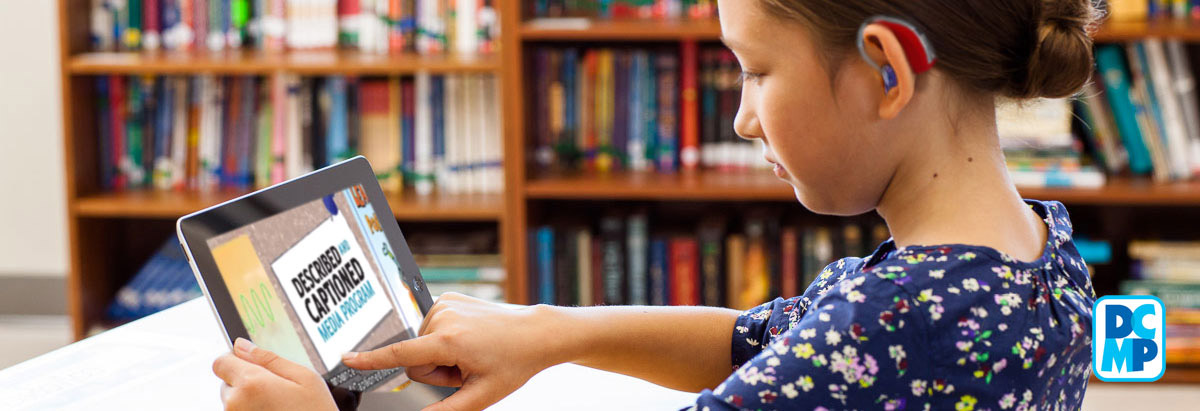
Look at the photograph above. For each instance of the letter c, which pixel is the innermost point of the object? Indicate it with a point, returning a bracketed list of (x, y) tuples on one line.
[(1139, 314)]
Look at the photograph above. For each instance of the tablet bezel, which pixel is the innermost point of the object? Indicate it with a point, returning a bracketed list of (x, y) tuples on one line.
[(196, 229)]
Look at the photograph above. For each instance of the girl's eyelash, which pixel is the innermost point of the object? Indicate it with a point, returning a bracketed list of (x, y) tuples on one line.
[(746, 75)]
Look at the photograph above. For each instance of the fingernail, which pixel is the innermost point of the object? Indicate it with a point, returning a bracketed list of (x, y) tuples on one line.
[(349, 356), (244, 345)]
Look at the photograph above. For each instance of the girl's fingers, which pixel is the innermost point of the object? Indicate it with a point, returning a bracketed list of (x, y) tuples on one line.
[(280, 366), (436, 375), (474, 395), (231, 369), (408, 353)]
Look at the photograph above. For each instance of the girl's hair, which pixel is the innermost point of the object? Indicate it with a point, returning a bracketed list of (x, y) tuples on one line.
[(1014, 48)]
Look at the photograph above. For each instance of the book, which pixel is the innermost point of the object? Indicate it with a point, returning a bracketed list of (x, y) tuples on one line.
[(637, 245), (685, 277), (612, 247), (1117, 88)]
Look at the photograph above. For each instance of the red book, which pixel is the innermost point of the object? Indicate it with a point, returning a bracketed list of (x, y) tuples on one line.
[(685, 273), (116, 95), (689, 126), (588, 120), (789, 284), (150, 28)]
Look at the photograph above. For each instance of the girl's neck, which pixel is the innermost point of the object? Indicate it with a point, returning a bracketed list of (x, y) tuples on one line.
[(953, 188)]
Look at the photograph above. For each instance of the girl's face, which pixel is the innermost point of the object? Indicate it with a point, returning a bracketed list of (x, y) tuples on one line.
[(821, 130)]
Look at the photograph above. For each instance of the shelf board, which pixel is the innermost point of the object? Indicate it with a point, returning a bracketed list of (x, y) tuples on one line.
[(698, 186), (762, 185), (625, 30), (245, 62), (407, 206), (1118, 31)]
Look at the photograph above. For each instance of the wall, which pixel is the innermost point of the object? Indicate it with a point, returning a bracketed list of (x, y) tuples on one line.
[(33, 235)]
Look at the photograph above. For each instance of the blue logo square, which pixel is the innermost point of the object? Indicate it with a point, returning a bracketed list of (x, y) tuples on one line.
[(1128, 338)]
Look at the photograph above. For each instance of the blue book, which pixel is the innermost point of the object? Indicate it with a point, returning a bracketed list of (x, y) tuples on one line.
[(1116, 83), (162, 128), (164, 281), (658, 273), (337, 137), (570, 67), (634, 145), (649, 108), (104, 123), (545, 264), (668, 112), (437, 87)]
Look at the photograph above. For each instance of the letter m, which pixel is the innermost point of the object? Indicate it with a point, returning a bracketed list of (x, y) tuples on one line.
[(1121, 356)]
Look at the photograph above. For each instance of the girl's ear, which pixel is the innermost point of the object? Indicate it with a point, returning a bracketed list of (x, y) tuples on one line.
[(881, 44)]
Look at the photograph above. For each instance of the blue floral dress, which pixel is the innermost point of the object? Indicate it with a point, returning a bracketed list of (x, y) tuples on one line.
[(931, 327)]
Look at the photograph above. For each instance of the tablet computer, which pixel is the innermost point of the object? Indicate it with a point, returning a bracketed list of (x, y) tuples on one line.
[(311, 269)]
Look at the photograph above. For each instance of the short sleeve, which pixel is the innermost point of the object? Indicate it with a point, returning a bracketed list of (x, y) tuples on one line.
[(759, 326), (847, 351)]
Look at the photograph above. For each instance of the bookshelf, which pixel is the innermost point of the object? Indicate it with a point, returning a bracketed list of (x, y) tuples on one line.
[(138, 219), (99, 266)]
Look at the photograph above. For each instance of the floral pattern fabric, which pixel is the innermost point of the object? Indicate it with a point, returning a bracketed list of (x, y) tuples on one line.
[(923, 328)]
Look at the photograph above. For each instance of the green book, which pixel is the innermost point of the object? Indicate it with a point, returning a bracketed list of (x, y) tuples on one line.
[(1173, 295)]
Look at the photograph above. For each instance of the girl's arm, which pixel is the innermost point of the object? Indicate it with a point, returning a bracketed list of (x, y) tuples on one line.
[(684, 348), (490, 350)]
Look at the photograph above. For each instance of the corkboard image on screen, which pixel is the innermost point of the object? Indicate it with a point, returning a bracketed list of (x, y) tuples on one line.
[(317, 281)]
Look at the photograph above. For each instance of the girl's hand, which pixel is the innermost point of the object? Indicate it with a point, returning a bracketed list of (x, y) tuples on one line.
[(258, 379), (486, 349)]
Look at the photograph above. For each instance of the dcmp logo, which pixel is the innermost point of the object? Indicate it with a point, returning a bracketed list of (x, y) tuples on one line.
[(1127, 344)]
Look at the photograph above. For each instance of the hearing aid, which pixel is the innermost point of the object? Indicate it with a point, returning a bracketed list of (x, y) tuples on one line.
[(917, 49)]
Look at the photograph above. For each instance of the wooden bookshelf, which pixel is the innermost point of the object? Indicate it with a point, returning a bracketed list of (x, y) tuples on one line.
[(320, 62), (112, 233), (407, 206)]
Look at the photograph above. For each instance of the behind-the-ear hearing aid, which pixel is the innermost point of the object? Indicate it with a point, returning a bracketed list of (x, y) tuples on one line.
[(917, 50)]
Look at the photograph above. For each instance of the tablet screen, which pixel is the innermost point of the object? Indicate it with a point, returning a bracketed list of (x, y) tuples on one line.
[(319, 280)]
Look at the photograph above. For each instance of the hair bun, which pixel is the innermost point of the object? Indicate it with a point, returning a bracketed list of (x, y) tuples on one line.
[(1061, 62)]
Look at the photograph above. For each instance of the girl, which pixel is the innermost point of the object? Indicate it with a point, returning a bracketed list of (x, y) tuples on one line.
[(979, 300)]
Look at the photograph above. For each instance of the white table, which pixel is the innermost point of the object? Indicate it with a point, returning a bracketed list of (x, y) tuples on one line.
[(164, 362)]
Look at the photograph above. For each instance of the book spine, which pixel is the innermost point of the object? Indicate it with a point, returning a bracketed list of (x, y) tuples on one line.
[(424, 136), (684, 275), (668, 108), (613, 268), (658, 273), (583, 254), (689, 125), (735, 265), (790, 275), (637, 244), (711, 260), (104, 117), (545, 247)]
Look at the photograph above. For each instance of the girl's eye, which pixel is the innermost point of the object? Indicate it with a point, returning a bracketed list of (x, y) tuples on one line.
[(748, 76)]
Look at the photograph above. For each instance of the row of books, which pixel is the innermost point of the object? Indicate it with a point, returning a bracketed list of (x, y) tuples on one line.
[(207, 132), (622, 260), (607, 9), (1133, 10), (1142, 113), (1171, 272), (604, 109), (1040, 148), (477, 275), (459, 258), (378, 26)]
